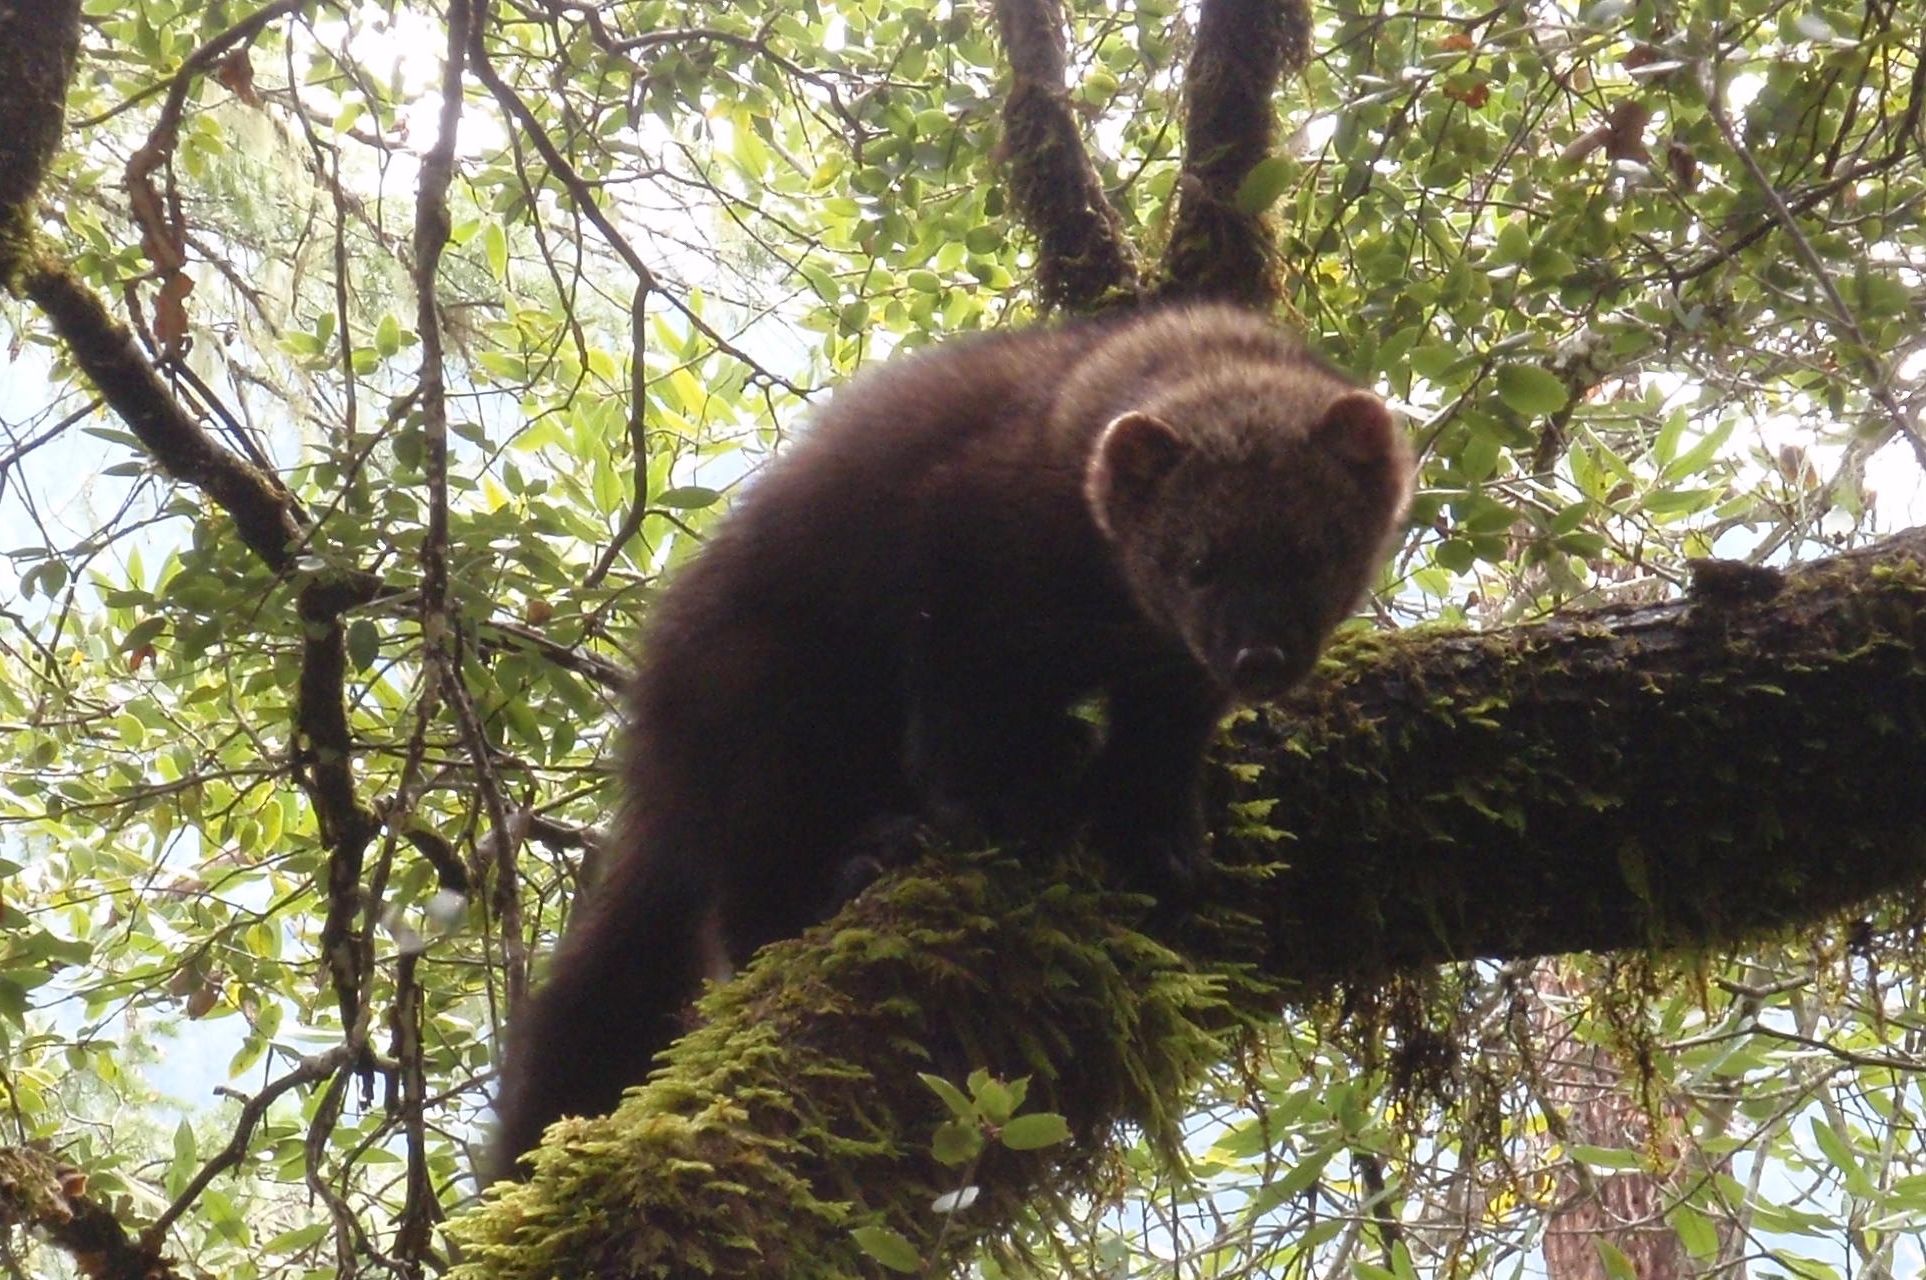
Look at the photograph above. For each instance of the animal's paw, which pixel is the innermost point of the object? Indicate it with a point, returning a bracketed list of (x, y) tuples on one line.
[(1163, 859), (883, 845)]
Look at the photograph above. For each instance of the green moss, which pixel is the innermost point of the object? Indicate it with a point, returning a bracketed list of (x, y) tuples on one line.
[(796, 1113)]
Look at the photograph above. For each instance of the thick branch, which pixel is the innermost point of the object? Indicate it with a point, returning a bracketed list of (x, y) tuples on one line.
[(797, 1113), (39, 1191), (1244, 47), (38, 42), (1691, 773), (1084, 259)]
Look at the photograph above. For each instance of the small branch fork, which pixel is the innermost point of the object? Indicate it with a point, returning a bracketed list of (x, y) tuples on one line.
[(1085, 262)]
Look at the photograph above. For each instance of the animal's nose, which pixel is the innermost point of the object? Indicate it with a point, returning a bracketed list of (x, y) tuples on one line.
[(1260, 670)]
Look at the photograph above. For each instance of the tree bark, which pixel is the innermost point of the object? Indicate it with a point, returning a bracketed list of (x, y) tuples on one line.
[(1589, 1098), (1743, 759), (40, 39)]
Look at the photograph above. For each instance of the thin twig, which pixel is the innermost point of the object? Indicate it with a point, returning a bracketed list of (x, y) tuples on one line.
[(311, 1069), (1878, 375)]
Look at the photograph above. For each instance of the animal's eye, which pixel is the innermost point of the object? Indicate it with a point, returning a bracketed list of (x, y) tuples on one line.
[(1203, 569)]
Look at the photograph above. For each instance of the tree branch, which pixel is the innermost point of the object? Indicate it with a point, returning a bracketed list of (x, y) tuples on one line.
[(307, 1071), (1685, 774), (1878, 376), (1084, 260), (1244, 48), (38, 44), (1689, 773), (579, 191), (49, 1195)]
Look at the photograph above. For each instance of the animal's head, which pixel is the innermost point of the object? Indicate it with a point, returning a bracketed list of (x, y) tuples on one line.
[(1248, 525)]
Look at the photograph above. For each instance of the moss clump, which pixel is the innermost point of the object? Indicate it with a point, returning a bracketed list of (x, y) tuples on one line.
[(796, 1113)]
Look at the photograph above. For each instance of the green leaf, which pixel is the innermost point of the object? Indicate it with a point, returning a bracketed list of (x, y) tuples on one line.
[(1614, 1158), (495, 245), (853, 318), (1298, 1179), (141, 632), (687, 497), (299, 1238), (1665, 446), (1038, 1129), (387, 335), (1478, 513), (956, 1142), (994, 1101), (1839, 1150), (1530, 390), (1665, 502), (1695, 1232), (186, 1151), (364, 643), (1694, 460), (1268, 179), (1432, 360), (1456, 555), (1617, 1265), (888, 1248), (960, 1107)]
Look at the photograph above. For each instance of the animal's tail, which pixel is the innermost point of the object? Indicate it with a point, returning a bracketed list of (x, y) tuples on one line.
[(613, 1000)]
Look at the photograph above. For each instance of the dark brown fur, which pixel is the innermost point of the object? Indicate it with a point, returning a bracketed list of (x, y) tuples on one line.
[(1171, 511)]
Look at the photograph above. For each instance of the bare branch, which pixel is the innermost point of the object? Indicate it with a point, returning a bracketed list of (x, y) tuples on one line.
[(579, 191), (308, 1071)]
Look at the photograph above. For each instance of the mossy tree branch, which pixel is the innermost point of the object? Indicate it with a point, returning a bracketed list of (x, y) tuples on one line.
[(797, 1114), (40, 42), (1084, 259), (1685, 774), (44, 1193), (1244, 49), (1693, 773)]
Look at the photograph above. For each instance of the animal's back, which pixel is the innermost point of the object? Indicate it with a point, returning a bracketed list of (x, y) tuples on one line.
[(774, 663)]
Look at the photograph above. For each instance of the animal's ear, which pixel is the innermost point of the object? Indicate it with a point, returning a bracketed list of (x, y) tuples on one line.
[(1358, 427), (1133, 455)]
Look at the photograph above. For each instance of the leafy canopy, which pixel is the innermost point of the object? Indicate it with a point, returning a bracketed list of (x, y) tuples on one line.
[(1645, 276)]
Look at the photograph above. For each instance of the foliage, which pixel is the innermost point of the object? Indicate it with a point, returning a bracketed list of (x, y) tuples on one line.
[(1644, 274)]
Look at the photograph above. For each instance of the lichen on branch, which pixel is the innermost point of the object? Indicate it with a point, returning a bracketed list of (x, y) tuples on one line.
[(1244, 49)]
